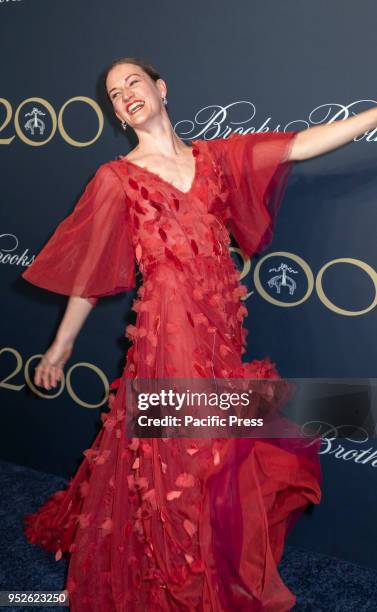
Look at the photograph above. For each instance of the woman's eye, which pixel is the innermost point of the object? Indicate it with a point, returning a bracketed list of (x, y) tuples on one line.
[(114, 96)]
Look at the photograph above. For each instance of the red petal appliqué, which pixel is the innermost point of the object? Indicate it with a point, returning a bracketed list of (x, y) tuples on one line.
[(185, 480), (216, 248), (138, 252), (149, 226), (176, 203), (173, 495), (200, 370), (174, 258), (144, 192), (139, 208), (189, 527), (107, 525), (156, 206), (197, 566), (115, 384), (190, 318), (133, 183), (194, 246), (162, 234)]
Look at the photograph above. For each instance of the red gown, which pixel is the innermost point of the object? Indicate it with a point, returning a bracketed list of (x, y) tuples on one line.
[(176, 524)]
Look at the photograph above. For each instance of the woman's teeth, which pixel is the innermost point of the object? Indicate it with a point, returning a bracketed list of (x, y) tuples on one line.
[(135, 107)]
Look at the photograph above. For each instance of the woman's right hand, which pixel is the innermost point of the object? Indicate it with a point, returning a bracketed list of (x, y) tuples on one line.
[(50, 368)]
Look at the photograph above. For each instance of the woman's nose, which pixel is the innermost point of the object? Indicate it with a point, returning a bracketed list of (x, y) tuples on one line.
[(126, 95)]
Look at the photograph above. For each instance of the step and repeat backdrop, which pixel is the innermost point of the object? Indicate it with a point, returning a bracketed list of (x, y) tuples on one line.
[(246, 66)]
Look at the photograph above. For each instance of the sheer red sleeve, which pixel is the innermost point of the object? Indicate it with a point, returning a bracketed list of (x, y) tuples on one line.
[(90, 253), (256, 171)]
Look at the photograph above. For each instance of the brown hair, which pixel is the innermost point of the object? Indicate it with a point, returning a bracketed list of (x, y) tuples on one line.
[(146, 66)]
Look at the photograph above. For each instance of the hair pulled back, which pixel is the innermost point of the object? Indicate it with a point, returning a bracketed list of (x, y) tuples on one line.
[(137, 61)]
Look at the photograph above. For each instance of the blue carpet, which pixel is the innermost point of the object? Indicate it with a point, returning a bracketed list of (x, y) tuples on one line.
[(321, 583)]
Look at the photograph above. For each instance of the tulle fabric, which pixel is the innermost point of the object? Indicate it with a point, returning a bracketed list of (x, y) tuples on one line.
[(256, 168), (90, 253), (185, 524)]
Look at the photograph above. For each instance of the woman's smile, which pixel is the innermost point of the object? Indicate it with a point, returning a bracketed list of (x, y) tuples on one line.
[(134, 106)]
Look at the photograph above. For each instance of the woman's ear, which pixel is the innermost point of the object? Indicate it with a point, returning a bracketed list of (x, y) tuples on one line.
[(162, 87)]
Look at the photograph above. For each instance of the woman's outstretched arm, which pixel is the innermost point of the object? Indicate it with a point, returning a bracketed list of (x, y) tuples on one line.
[(323, 138), (50, 369)]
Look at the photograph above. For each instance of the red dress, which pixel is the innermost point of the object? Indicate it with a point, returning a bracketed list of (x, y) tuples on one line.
[(176, 524)]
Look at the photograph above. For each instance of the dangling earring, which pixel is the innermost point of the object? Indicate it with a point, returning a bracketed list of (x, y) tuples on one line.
[(164, 99), (124, 125)]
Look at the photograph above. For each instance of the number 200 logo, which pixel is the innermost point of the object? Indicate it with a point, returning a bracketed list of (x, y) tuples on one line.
[(35, 121)]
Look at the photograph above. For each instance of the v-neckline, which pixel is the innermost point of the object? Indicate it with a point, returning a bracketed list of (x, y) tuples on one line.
[(194, 148)]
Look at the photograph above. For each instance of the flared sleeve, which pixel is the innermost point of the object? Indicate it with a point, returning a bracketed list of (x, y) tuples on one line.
[(256, 171), (90, 253)]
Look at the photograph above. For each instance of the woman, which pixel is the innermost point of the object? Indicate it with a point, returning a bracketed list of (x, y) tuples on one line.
[(171, 523)]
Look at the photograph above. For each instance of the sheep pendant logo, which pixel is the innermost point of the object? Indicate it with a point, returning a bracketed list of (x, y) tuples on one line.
[(35, 123), (283, 280)]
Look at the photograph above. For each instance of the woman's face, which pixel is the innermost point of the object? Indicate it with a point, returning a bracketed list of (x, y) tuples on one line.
[(128, 83)]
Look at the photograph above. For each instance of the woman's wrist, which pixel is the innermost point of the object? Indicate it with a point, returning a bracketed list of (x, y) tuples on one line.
[(64, 339)]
